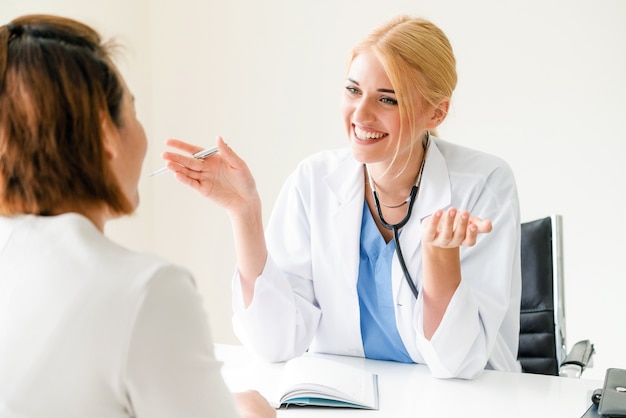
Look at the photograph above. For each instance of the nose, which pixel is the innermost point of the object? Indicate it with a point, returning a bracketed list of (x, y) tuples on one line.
[(364, 111)]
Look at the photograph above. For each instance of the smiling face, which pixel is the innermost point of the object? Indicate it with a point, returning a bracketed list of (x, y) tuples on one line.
[(370, 110), (371, 113)]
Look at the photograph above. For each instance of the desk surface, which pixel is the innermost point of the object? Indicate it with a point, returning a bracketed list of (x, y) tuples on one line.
[(409, 390)]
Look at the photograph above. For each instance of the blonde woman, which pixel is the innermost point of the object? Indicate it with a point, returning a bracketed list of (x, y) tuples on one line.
[(400, 247)]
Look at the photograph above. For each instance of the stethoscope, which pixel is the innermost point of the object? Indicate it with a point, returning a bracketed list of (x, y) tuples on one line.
[(395, 228)]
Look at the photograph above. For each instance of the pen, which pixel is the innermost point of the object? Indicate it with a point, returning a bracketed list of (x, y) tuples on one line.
[(201, 154)]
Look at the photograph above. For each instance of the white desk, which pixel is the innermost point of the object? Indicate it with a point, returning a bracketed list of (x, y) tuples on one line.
[(408, 390)]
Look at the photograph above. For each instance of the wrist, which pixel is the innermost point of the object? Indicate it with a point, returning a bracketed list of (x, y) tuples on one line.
[(245, 210), (441, 270)]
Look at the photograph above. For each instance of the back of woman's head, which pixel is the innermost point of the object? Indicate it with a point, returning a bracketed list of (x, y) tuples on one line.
[(418, 59), (58, 86)]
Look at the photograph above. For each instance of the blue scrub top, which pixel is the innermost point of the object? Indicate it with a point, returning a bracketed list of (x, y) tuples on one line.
[(379, 332)]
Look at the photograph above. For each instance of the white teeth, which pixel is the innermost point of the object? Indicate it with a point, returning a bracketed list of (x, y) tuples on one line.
[(361, 134)]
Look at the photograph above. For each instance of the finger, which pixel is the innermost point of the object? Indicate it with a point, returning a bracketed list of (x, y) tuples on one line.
[(483, 225), (181, 159), (471, 233), (176, 162), (230, 157), (446, 226), (198, 169), (184, 179), (430, 226), (460, 226), (183, 146)]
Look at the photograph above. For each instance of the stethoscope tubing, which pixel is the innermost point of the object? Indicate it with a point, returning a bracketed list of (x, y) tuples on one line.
[(395, 228)]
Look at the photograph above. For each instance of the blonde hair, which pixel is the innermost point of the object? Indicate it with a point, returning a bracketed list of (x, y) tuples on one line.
[(418, 59)]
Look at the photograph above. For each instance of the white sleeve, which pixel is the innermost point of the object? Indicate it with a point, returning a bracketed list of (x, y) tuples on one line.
[(171, 367), (283, 317)]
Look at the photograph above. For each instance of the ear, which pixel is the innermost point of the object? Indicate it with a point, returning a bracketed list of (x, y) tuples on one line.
[(439, 113), (110, 136)]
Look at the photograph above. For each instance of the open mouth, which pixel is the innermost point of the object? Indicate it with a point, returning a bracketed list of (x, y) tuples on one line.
[(364, 135)]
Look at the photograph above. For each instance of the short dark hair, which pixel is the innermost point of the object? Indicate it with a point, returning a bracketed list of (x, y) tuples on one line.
[(57, 82)]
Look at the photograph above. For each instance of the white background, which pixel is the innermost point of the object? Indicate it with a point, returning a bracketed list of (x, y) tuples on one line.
[(542, 83)]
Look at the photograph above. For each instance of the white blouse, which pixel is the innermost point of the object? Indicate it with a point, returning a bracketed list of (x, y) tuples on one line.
[(90, 329)]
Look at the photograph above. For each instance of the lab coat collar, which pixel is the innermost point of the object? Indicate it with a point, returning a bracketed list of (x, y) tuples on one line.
[(346, 182)]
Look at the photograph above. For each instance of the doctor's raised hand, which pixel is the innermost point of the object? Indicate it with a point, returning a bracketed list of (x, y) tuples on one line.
[(400, 246), (453, 228), (224, 178)]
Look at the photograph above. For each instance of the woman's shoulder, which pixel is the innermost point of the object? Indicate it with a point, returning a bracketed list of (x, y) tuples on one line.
[(326, 162), (331, 165), (460, 158), (109, 256)]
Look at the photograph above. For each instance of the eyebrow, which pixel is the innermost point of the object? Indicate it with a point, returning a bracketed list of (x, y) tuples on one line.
[(391, 91)]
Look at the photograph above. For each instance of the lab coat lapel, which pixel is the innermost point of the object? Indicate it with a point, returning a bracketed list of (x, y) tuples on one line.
[(346, 184)]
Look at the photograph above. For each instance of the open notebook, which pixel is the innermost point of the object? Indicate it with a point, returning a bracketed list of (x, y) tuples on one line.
[(315, 381)]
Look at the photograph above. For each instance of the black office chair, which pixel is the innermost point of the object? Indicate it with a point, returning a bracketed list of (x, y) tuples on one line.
[(542, 343)]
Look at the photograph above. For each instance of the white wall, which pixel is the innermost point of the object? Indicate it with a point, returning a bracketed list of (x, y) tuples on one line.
[(541, 84)]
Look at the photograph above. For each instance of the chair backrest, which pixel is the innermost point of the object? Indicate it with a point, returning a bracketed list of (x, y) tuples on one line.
[(542, 345)]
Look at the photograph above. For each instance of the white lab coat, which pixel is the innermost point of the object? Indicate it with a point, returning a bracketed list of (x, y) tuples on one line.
[(306, 297)]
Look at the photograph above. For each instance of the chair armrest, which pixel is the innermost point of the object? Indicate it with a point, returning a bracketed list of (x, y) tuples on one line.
[(577, 360)]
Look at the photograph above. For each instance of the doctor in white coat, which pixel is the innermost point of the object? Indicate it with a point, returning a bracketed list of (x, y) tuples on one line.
[(401, 247)]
